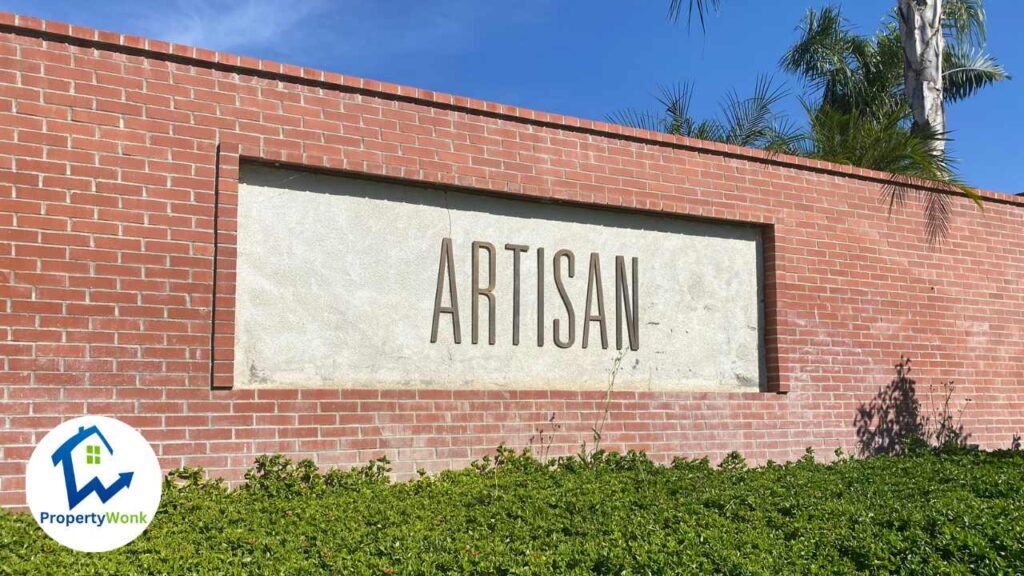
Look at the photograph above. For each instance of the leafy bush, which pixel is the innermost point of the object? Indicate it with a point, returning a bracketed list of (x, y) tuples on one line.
[(927, 512)]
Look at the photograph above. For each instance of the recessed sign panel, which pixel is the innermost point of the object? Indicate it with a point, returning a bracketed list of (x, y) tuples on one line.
[(345, 282)]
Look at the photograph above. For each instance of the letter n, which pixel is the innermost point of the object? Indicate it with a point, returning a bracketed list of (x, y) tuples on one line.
[(623, 301)]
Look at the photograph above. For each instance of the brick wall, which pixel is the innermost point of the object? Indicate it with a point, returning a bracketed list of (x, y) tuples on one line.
[(119, 163)]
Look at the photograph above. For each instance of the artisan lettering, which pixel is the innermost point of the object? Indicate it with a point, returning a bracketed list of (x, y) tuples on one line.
[(484, 294)]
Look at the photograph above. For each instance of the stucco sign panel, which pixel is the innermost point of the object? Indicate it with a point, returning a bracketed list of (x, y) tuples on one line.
[(345, 282)]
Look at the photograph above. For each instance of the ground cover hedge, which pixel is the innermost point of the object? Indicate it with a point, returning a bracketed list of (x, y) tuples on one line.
[(957, 512)]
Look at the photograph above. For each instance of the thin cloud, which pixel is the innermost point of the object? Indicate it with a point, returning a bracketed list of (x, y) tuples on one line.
[(365, 35), (231, 25)]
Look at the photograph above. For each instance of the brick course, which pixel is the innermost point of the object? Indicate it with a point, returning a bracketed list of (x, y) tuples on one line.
[(119, 165)]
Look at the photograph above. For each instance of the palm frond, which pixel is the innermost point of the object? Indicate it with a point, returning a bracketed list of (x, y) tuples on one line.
[(885, 74), (785, 137), (673, 118), (964, 21), (708, 129), (847, 70), (888, 145), (701, 7), (641, 119), (752, 121), (676, 100), (966, 70), (822, 52)]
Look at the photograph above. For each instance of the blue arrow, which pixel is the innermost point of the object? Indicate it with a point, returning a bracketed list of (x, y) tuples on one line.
[(75, 496)]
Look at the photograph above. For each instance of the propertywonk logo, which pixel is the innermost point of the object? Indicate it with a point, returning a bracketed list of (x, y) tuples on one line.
[(93, 484)]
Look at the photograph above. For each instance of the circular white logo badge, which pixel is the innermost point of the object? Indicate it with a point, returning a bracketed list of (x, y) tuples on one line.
[(93, 484)]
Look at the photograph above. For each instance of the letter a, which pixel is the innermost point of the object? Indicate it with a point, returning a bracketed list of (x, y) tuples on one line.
[(446, 267)]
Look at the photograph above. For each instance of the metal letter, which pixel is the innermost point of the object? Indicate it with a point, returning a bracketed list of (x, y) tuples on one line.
[(446, 267), (516, 250), (565, 297), (622, 294), (540, 297), (487, 292), (594, 279)]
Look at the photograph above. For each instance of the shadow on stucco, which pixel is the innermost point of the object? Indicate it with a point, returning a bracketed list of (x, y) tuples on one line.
[(893, 421)]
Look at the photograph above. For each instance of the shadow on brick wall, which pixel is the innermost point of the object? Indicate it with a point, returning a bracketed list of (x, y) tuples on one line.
[(893, 421)]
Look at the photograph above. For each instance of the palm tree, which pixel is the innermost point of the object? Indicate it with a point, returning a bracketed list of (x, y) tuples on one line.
[(866, 72), (856, 102), (925, 28), (862, 116)]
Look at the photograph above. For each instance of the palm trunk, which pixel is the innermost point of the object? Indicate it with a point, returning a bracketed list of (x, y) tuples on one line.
[(921, 31)]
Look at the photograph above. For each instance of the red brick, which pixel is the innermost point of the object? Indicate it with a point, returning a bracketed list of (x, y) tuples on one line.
[(107, 197)]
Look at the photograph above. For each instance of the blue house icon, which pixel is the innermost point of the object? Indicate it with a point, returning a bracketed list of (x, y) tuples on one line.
[(63, 456)]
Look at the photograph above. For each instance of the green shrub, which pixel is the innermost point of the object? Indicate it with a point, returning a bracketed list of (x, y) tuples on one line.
[(923, 513)]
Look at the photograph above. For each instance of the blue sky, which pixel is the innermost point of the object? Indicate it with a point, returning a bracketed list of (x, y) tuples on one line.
[(584, 58)]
